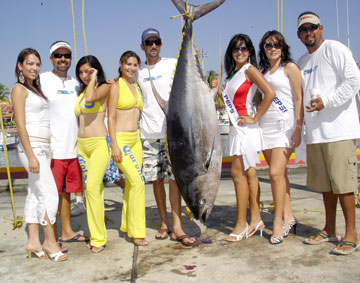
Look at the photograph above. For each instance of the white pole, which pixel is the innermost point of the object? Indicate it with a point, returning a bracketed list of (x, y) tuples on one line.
[(347, 19), (337, 19)]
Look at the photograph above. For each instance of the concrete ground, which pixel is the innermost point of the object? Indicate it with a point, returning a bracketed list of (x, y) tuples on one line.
[(250, 260)]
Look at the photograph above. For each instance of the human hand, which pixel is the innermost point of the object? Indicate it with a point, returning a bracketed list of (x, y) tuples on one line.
[(34, 165), (295, 139), (316, 104), (246, 120), (116, 154), (93, 73)]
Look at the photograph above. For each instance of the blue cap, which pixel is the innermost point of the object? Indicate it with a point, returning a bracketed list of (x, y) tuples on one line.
[(148, 33)]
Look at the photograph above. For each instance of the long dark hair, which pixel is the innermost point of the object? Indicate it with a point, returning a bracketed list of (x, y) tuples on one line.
[(94, 63), (35, 86), (126, 55), (264, 63), (230, 65)]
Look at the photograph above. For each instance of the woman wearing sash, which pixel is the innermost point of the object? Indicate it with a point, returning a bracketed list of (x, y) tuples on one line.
[(245, 140), (93, 147), (125, 105), (281, 125)]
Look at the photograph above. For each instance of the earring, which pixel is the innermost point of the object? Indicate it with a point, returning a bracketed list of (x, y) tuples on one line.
[(21, 77)]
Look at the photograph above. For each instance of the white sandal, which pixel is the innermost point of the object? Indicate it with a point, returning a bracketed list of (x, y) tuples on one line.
[(241, 236)]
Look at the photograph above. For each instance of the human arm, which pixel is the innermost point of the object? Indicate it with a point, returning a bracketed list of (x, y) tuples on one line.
[(293, 72), (112, 102), (93, 93), (256, 77), (345, 66), (18, 97)]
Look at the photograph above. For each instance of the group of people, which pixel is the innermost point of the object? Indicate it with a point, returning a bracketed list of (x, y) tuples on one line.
[(317, 94), (65, 142)]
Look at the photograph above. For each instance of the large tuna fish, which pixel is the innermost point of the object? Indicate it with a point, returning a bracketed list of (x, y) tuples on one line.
[(193, 136)]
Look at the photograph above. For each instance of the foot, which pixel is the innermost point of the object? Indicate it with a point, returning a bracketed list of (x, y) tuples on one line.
[(96, 250), (321, 237), (254, 227), (345, 247), (239, 233), (187, 241), (139, 242), (162, 234), (74, 238), (34, 247)]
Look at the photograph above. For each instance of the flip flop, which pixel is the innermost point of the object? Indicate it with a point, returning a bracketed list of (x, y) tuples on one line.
[(325, 238), (181, 238), (161, 231), (337, 251), (74, 239)]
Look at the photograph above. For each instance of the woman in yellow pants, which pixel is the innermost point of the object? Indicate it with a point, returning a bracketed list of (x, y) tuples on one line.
[(93, 144), (125, 105)]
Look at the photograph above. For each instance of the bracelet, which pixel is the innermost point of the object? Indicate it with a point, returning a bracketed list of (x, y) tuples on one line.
[(298, 126)]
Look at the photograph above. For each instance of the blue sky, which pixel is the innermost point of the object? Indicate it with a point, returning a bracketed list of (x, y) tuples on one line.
[(114, 26)]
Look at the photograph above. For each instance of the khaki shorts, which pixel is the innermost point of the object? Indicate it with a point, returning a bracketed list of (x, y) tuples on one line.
[(332, 167)]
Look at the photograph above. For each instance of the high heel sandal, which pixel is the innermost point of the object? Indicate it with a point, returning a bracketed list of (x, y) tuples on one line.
[(242, 235), (259, 227), (276, 240), (58, 256), (41, 254), (292, 224)]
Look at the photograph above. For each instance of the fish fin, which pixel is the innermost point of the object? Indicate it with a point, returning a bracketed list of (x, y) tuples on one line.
[(162, 102), (209, 156)]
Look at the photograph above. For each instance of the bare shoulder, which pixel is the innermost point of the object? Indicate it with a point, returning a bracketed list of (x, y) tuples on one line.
[(291, 68), (19, 89)]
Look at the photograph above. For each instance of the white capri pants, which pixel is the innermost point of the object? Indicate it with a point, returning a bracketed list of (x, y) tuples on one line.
[(42, 196)]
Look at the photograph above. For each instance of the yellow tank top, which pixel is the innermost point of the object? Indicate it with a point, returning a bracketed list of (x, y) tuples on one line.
[(81, 106), (126, 99)]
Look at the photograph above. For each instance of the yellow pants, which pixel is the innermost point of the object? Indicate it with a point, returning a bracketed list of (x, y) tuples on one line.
[(133, 212), (94, 158)]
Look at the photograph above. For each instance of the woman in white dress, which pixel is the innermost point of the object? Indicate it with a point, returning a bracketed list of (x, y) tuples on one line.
[(281, 125)]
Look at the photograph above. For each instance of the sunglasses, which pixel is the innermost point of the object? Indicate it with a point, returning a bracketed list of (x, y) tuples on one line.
[(149, 42), (269, 46), (240, 48), (311, 28), (59, 55)]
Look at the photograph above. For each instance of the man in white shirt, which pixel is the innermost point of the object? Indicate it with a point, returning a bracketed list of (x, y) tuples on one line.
[(61, 90), (153, 133), (331, 80)]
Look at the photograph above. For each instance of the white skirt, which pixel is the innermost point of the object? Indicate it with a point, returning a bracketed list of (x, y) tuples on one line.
[(277, 129), (252, 131)]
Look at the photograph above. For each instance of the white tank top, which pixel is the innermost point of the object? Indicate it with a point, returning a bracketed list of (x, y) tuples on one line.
[(37, 116)]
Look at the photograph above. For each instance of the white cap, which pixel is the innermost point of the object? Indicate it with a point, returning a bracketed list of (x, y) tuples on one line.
[(308, 18), (60, 44)]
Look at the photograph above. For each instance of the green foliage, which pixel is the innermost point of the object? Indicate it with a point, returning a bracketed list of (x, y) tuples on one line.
[(211, 76), (4, 93), (10, 124)]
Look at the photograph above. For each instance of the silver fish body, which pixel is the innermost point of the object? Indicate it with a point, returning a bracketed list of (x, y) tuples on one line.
[(192, 127)]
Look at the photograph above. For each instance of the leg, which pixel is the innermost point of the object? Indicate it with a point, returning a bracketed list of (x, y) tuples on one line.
[(160, 197), (242, 195), (254, 201), (348, 207), (133, 214), (33, 243), (175, 201)]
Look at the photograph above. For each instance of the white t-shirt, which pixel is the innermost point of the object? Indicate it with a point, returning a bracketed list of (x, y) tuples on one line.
[(153, 122), (62, 95), (333, 70)]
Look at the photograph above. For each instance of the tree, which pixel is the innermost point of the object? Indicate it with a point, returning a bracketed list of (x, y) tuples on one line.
[(4, 93)]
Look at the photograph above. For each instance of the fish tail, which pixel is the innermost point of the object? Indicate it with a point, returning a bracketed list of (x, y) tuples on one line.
[(195, 12)]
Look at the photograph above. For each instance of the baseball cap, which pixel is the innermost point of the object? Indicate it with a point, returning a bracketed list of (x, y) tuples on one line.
[(148, 33), (308, 18), (60, 44)]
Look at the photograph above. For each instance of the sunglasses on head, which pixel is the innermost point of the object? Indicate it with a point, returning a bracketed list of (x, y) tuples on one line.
[(311, 28), (240, 48), (149, 42), (59, 55), (269, 46)]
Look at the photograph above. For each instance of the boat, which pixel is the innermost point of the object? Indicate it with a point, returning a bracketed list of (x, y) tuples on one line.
[(11, 139)]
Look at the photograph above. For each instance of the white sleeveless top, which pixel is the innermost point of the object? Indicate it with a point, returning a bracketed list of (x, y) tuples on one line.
[(37, 116)]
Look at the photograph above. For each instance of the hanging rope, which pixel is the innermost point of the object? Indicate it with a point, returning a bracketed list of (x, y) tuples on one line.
[(17, 220), (83, 26), (73, 19)]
